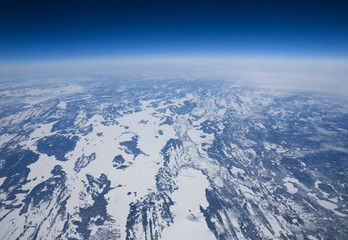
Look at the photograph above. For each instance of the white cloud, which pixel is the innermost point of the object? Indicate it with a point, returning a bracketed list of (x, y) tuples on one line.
[(323, 75)]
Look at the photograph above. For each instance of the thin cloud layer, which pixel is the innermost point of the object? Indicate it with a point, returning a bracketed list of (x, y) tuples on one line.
[(326, 76)]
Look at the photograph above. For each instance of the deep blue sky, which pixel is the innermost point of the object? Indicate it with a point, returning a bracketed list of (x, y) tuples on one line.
[(39, 30)]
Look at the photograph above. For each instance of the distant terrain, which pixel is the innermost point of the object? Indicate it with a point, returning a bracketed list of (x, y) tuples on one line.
[(171, 159)]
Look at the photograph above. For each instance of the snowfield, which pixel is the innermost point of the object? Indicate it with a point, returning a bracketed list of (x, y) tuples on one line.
[(171, 159)]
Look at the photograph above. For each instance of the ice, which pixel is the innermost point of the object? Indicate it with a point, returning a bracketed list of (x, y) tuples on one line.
[(326, 204), (290, 188), (139, 177), (241, 162), (189, 222)]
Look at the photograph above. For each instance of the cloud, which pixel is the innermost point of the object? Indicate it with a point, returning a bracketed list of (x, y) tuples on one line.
[(300, 74)]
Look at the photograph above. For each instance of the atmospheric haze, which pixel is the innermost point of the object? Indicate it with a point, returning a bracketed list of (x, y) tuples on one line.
[(171, 119)]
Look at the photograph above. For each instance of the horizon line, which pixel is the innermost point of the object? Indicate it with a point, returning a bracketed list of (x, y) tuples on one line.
[(153, 58)]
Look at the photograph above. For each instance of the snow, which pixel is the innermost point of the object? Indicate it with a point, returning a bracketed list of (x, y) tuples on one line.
[(273, 222), (290, 188), (197, 136), (260, 125), (290, 179), (311, 237), (339, 213), (139, 177), (218, 181), (326, 204), (189, 222), (250, 209), (4, 138), (235, 170), (232, 219), (62, 105), (41, 170), (289, 184), (42, 130), (271, 146), (335, 200), (246, 191), (2, 180), (303, 164), (12, 225), (221, 112)]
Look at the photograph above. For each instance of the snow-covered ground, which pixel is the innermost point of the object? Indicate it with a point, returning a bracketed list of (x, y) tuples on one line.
[(189, 222)]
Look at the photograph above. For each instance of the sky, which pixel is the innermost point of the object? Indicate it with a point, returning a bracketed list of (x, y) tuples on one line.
[(39, 30)]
